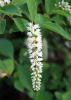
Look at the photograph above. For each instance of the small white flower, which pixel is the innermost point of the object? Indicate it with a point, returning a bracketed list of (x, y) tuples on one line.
[(34, 43), (4, 2), (7, 1)]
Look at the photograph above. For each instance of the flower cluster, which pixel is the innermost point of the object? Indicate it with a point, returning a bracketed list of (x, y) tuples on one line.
[(3, 2), (65, 6), (34, 43)]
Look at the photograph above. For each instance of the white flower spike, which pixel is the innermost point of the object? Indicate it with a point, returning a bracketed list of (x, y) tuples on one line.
[(65, 6), (4, 2), (34, 43)]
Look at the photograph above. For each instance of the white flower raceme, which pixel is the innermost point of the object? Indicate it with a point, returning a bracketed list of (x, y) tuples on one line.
[(65, 6), (3, 2), (34, 43)]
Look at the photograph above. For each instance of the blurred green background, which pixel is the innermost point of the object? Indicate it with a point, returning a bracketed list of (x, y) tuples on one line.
[(15, 73)]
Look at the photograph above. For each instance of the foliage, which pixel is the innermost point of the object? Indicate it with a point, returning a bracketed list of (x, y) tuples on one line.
[(14, 61)]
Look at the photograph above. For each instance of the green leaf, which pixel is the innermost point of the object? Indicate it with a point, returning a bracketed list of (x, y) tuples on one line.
[(17, 83), (6, 48), (32, 7), (38, 2), (7, 66), (47, 24), (18, 2), (2, 26), (20, 23), (42, 95), (6, 57), (13, 29), (23, 72), (24, 78), (49, 6), (59, 95), (67, 96), (10, 10), (61, 12)]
